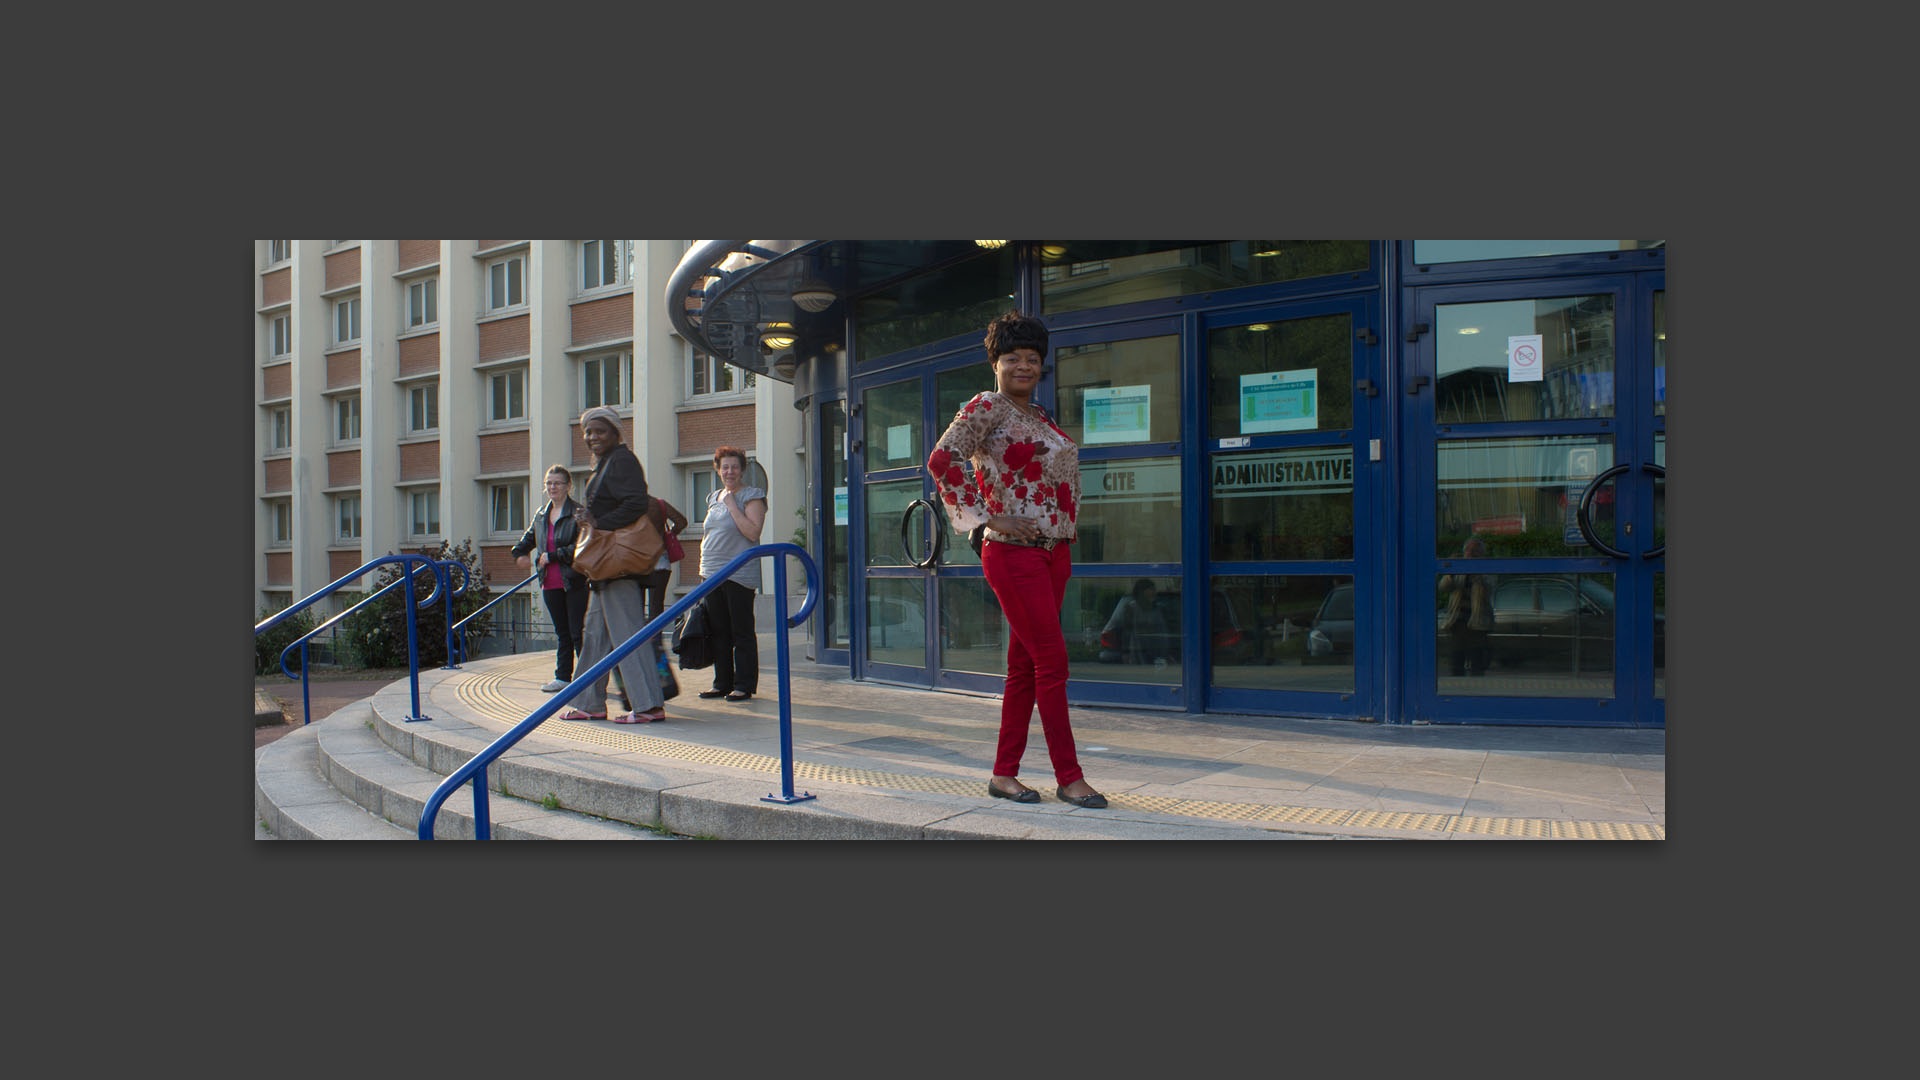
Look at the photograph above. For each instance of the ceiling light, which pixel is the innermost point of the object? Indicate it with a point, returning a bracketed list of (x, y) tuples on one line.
[(1054, 252), (1469, 329), (812, 296), (777, 336), (1259, 326), (1269, 253), (991, 244)]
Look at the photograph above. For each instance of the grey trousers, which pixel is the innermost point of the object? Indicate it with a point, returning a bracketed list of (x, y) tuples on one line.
[(614, 613)]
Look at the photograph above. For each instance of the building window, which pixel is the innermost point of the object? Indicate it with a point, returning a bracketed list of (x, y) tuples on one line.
[(279, 251), (423, 513), (604, 262), (607, 380), (423, 407), (508, 507), (282, 532), (346, 321), (282, 337), (346, 419), (347, 517), (704, 481), (508, 392), (506, 286), (423, 303), (710, 375), (280, 429)]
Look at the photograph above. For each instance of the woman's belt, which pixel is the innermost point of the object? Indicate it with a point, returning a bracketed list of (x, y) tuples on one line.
[(1044, 543)]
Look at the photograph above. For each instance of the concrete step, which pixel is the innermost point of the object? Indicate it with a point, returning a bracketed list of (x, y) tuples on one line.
[(342, 776)]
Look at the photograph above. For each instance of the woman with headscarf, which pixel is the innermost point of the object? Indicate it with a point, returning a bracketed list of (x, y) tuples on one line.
[(616, 496)]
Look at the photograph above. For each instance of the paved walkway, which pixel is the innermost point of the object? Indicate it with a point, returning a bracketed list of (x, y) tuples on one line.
[(1259, 774)]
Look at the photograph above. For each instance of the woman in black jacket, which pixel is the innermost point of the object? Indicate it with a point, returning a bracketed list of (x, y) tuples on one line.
[(548, 547), (616, 496)]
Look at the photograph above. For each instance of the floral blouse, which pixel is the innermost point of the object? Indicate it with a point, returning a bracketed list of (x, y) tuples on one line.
[(1023, 466)]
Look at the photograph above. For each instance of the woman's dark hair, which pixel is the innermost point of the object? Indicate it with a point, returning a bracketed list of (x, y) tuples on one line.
[(730, 451), (1015, 331), (1143, 587)]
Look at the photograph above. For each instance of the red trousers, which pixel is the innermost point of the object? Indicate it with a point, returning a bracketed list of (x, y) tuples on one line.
[(1030, 584)]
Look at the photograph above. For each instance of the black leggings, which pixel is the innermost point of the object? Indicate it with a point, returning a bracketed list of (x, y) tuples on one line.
[(736, 652), (569, 610)]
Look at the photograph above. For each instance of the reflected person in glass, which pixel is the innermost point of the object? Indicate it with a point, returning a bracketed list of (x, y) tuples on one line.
[(1136, 633), (1469, 616), (1025, 499)]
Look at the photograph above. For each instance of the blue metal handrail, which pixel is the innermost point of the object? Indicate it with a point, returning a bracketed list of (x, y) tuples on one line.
[(306, 699), (475, 768), (461, 626), (406, 576)]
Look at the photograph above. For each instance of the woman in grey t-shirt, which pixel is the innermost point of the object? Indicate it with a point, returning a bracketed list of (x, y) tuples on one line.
[(735, 515)]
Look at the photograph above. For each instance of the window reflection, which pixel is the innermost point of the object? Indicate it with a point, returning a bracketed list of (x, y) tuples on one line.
[(973, 632), (896, 621), (1293, 375), (892, 425), (1123, 629), (1660, 353), (886, 505), (1441, 251), (1575, 364), (1282, 633), (1527, 635), (1519, 496), (1129, 511), (1283, 504), (834, 534), (1115, 392), (957, 299), (1076, 275)]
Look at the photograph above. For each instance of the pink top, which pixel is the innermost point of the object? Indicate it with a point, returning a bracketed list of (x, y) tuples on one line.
[(1023, 466), (552, 578)]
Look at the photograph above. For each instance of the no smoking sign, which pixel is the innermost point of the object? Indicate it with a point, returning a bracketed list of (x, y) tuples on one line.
[(1523, 358)]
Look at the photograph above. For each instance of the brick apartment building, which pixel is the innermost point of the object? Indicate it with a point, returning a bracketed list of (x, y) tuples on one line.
[(414, 391)]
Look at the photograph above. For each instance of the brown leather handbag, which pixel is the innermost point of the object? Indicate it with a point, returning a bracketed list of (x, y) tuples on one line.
[(632, 550)]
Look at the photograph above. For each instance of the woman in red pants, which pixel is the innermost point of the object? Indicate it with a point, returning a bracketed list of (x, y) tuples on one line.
[(1026, 493)]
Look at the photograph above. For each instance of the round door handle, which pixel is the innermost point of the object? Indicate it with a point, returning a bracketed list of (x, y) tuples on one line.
[(1586, 502), (939, 545), (1659, 473)]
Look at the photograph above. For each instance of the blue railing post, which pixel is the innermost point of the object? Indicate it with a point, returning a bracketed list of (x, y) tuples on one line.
[(413, 648), (786, 699), (306, 698)]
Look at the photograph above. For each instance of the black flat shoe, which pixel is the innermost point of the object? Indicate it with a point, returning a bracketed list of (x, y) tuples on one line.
[(713, 693), (1095, 801), (1026, 794), (738, 696)]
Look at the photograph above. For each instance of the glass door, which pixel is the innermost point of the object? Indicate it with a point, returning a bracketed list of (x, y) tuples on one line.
[(831, 523), (1535, 516), (1292, 470)]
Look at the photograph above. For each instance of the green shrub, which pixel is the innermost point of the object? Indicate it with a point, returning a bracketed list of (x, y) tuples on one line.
[(376, 635), (268, 644)]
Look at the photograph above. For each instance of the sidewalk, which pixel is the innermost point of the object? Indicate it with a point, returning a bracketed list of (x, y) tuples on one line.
[(1166, 774)]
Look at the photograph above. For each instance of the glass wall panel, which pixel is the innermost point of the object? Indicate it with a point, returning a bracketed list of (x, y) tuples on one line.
[(893, 424), (1539, 635), (1283, 504), (1440, 251), (1660, 353), (1573, 368), (1123, 629), (953, 389), (896, 621), (1129, 511), (1518, 496), (1660, 635), (1659, 491), (961, 298), (834, 535), (1292, 632), (1116, 392), (1293, 375), (886, 505), (973, 632), (1079, 274)]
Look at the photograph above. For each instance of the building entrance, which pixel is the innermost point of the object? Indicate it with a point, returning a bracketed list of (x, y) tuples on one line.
[(1534, 557)]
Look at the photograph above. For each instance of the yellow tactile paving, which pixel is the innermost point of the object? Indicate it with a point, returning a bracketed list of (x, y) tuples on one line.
[(481, 691)]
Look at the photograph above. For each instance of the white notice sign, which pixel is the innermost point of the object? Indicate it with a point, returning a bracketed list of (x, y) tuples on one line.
[(899, 442), (1116, 414), (1524, 359)]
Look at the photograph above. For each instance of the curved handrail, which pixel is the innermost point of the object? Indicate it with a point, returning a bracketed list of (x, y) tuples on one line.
[(306, 697), (935, 549), (477, 764), (1661, 474), (413, 605), (461, 626)]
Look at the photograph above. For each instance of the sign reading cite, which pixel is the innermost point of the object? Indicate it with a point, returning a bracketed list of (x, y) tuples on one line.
[(1327, 470)]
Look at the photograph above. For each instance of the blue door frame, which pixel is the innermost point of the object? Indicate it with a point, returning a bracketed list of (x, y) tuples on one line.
[(1633, 431)]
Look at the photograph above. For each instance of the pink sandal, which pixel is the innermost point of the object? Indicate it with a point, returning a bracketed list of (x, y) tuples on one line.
[(576, 714), (641, 717)]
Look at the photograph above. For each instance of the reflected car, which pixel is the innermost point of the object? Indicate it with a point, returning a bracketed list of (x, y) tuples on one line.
[(1549, 620), (1330, 634)]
